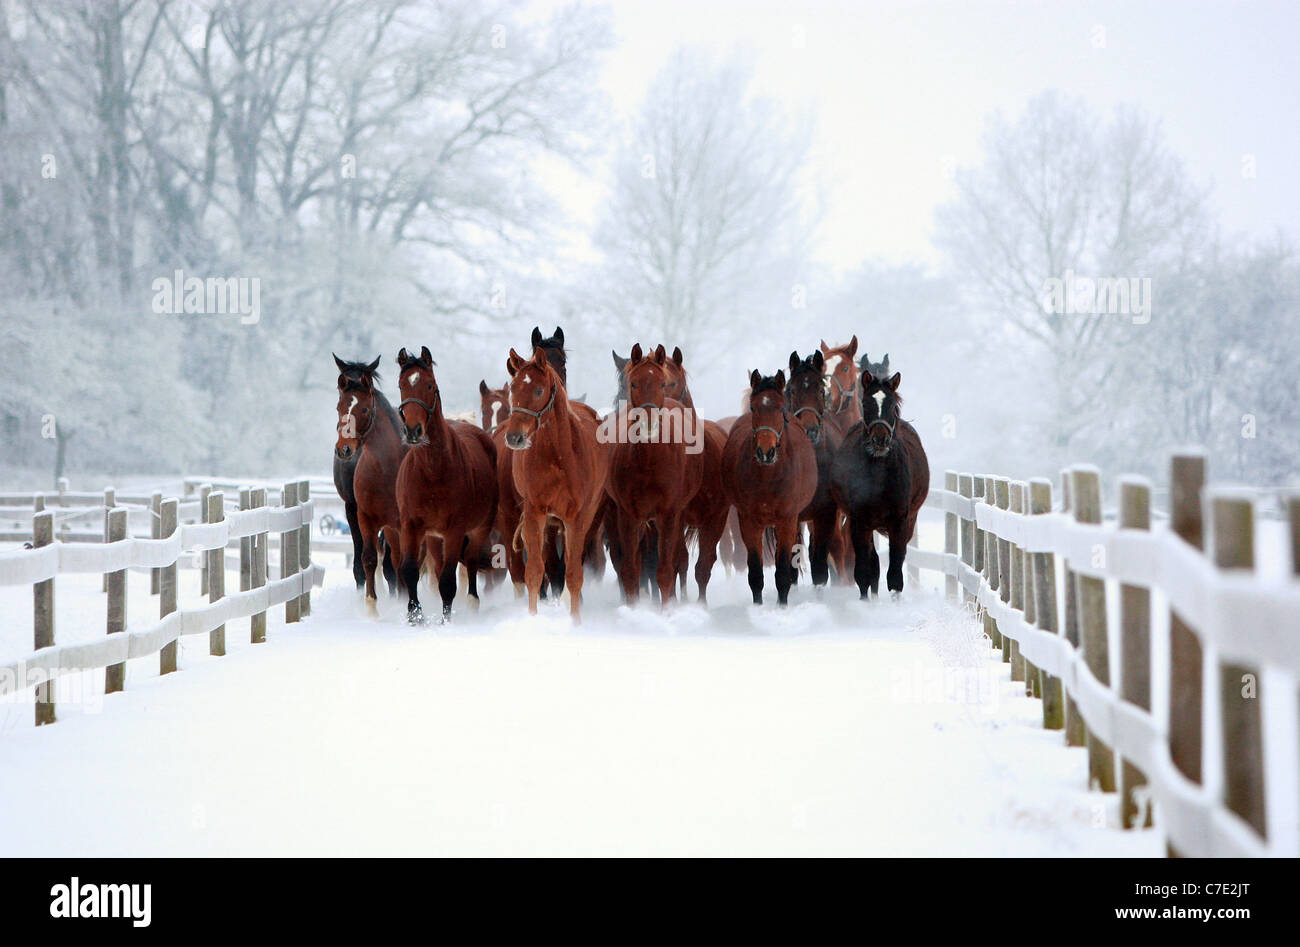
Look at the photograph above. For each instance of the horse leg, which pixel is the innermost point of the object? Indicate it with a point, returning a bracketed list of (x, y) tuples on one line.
[(709, 534), (389, 560), (358, 547), (861, 557), (823, 534), (629, 565), (575, 537), (534, 530), (683, 558), (369, 536), (453, 547), (835, 548), (475, 544), (751, 534), (410, 569), (897, 553), (554, 559), (787, 534), (850, 553), (670, 539), (873, 563)]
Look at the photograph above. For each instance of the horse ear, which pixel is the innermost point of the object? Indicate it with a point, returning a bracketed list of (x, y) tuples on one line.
[(661, 356), (818, 362), (374, 366), (895, 381), (677, 355), (826, 349), (403, 358), (513, 361), (780, 380), (853, 345), (636, 354), (559, 336), (619, 361), (754, 379), (426, 356), (338, 361), (537, 336), (864, 362), (482, 388), (794, 361), (884, 366)]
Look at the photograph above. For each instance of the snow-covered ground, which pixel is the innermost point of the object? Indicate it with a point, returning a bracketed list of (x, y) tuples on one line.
[(832, 727)]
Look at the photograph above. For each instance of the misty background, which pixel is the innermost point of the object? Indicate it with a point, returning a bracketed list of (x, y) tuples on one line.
[(738, 179)]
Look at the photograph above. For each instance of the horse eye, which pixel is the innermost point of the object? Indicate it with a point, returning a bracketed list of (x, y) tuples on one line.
[(537, 392)]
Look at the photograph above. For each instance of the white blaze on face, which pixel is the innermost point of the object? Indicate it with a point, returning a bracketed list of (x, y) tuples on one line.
[(829, 368), (496, 408), (412, 378), (880, 403)]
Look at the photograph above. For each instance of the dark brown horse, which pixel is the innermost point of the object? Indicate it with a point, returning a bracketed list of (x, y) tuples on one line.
[(842, 408), (805, 396), (446, 488), (360, 409), (369, 436), (769, 470), (654, 473), (880, 478), (559, 469)]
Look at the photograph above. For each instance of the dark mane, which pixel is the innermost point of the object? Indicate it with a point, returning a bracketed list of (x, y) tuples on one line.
[(765, 383), (382, 404), (356, 374)]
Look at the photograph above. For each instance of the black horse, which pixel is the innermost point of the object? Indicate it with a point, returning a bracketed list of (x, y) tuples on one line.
[(359, 376), (880, 477), (805, 399), (879, 370)]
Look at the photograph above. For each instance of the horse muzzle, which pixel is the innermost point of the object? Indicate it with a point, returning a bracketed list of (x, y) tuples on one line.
[(413, 434), (765, 458), (518, 441), (344, 453), (814, 434)]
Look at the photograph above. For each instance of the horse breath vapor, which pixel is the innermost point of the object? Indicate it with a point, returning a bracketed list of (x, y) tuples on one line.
[(132, 901)]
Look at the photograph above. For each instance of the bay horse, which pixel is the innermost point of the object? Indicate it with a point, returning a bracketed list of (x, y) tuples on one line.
[(345, 464), (842, 410), (559, 469), (880, 478), (370, 440), (769, 471), (653, 475), (805, 395), (446, 487)]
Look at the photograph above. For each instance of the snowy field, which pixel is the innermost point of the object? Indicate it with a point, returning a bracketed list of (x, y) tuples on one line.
[(830, 728)]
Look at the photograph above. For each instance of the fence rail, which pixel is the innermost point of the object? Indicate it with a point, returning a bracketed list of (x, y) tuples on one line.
[(1227, 625), (250, 527)]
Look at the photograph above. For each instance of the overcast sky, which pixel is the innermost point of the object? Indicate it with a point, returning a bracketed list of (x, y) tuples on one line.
[(902, 88)]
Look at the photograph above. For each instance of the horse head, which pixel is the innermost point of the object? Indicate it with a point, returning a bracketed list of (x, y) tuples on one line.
[(553, 347), (880, 401), (767, 414), (534, 385), (494, 404), (421, 405), (805, 394), (356, 375), (879, 369), (840, 376)]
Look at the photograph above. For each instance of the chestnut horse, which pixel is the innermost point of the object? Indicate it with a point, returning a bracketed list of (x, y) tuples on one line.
[(446, 487), (653, 473), (842, 409), (769, 470), (559, 469), (369, 437), (805, 397), (494, 405), (880, 477)]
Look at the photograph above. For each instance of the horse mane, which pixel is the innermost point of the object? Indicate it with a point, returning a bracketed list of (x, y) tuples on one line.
[(765, 383), (383, 404)]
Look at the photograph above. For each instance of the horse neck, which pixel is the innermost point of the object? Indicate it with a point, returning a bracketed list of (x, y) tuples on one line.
[(557, 436), (384, 435)]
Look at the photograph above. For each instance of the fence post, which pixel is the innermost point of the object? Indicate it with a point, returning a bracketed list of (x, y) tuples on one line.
[(1033, 684), (289, 552), (950, 534), (245, 544), (43, 616), (304, 550), (1043, 567), (1002, 552), (205, 491), (1074, 735), (216, 572), (1186, 660), (155, 531), (257, 625), (110, 501), (1242, 733), (115, 582), (966, 527), (991, 566), (1091, 594), (1134, 644), (1016, 593), (168, 514), (38, 504)]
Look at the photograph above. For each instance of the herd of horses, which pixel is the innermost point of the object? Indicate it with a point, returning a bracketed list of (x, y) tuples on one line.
[(542, 490)]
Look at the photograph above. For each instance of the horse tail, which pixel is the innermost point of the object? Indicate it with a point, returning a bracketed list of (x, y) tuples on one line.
[(517, 540)]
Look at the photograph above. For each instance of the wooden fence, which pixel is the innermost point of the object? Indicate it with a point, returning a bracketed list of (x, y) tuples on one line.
[(252, 526), (1220, 761)]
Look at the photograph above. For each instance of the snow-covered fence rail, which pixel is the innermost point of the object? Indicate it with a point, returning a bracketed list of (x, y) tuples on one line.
[(251, 526), (1221, 762)]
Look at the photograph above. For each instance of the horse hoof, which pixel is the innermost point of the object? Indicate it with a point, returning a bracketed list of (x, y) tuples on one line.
[(895, 595), (415, 616), (520, 590), (371, 608), (473, 603)]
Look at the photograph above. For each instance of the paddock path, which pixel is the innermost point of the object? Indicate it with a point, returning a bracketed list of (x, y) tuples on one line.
[(830, 728)]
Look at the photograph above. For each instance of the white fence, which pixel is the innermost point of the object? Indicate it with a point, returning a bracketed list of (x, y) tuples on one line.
[(251, 527), (1206, 769)]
